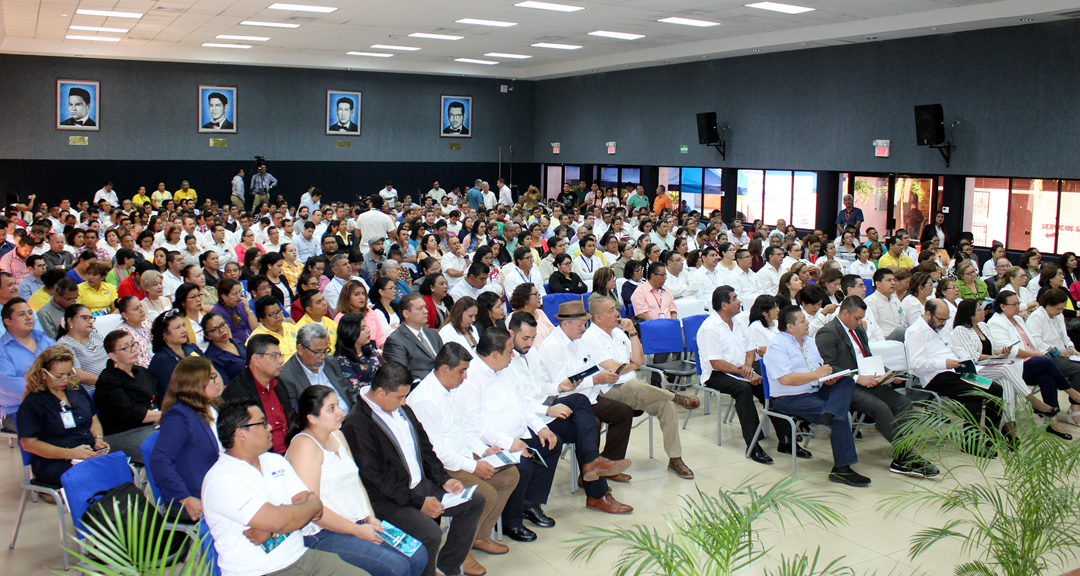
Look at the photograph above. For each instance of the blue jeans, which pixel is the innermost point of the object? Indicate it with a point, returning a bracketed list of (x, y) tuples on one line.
[(835, 400), (376, 559)]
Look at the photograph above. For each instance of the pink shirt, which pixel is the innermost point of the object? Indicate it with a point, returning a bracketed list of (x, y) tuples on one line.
[(653, 303), (375, 328)]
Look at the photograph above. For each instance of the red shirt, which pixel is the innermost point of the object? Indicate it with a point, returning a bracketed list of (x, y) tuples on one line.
[(275, 413), (127, 287)]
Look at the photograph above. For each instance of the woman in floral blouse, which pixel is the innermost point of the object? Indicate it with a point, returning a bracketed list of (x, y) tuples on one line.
[(356, 353)]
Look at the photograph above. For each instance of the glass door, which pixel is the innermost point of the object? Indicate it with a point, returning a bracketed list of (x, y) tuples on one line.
[(871, 194)]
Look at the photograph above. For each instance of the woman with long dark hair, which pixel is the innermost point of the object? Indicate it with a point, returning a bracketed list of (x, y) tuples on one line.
[(490, 312), (382, 302), (234, 310), (228, 354), (459, 325), (189, 303), (170, 342), (436, 291), (763, 322), (356, 353)]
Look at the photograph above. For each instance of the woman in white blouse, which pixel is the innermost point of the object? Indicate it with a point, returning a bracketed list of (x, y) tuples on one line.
[(862, 266), (763, 327), (1046, 327), (348, 527), (914, 304), (1014, 280), (971, 341), (459, 324)]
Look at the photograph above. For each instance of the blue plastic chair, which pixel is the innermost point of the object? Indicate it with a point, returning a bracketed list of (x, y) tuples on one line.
[(82, 481), (869, 285), (551, 303), (207, 550), (766, 412), (29, 487), (147, 448)]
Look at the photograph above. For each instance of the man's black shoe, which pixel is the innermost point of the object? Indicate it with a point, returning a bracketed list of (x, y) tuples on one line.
[(760, 456), (536, 515), (520, 534), (845, 475), (917, 468), (799, 450)]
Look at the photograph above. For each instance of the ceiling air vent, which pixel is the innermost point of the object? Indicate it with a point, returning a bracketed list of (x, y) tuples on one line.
[(302, 18), (168, 9), (1070, 14)]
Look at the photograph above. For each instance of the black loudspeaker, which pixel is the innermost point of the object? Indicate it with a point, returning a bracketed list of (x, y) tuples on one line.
[(706, 129), (929, 125)]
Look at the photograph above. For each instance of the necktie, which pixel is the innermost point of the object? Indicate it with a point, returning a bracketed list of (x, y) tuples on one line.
[(858, 342), (423, 342)]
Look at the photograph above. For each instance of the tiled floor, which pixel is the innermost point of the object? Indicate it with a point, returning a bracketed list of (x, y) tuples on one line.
[(870, 542)]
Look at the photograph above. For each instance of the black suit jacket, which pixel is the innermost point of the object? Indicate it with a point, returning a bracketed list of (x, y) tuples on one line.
[(352, 127), (464, 130), (402, 346), (71, 122), (243, 386), (835, 347), (379, 458), (225, 125), (295, 380)]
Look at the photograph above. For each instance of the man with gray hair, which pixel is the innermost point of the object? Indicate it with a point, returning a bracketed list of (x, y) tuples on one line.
[(308, 367), (849, 216)]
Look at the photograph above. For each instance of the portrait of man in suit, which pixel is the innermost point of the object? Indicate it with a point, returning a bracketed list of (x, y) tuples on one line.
[(217, 109), (456, 116), (342, 113), (76, 105)]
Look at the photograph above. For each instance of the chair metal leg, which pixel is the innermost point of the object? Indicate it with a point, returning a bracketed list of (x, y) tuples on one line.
[(18, 521), (497, 532), (569, 448), (61, 504), (650, 436)]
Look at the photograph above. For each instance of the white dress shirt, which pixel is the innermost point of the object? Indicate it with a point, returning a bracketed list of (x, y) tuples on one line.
[(769, 278), (1047, 332), (718, 341), (451, 261), (586, 267), (374, 224), (533, 386), (401, 428), (332, 292), (453, 440), (887, 311), (746, 285), (505, 197), (514, 276), (490, 405), (679, 286), (702, 283), (927, 351), (562, 358), (603, 346), (170, 282)]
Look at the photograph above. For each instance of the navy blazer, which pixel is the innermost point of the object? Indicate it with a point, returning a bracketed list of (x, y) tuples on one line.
[(184, 453)]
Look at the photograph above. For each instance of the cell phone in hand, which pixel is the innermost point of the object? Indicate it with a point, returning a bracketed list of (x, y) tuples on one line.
[(100, 450)]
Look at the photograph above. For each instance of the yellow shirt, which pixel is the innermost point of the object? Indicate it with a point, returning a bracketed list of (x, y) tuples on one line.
[(98, 301), (887, 260), (330, 325), (181, 195), (140, 199), (292, 273), (39, 299), (287, 343)]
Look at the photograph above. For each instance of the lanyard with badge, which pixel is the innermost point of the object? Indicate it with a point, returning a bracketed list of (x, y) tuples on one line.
[(66, 416)]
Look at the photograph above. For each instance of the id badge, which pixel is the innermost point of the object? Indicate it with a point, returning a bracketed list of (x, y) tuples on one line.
[(68, 419)]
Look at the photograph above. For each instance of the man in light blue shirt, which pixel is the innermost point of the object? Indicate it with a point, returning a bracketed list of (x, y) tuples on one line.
[(800, 385), (306, 246), (19, 345), (36, 265), (474, 196)]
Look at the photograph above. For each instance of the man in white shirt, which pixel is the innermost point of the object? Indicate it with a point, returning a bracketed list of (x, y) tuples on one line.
[(172, 278), (705, 278), (588, 262), (521, 271), (678, 278), (375, 223), (489, 196), (389, 195), (255, 504), (885, 306), (662, 237), (342, 273), (108, 194), (737, 235), (769, 275), (614, 344), (455, 263), (743, 279), (933, 362), (215, 241), (436, 193), (456, 444), (474, 283), (506, 197)]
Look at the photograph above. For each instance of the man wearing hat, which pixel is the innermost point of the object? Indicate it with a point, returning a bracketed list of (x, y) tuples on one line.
[(563, 355)]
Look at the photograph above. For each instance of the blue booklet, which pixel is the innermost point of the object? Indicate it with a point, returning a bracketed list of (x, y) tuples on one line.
[(401, 541)]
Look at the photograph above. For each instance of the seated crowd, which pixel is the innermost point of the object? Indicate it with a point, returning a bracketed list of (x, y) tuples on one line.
[(321, 370)]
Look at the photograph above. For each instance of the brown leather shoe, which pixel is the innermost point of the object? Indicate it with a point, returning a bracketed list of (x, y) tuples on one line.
[(490, 546), (472, 567), (679, 467), (688, 402), (607, 504), (624, 478), (592, 471)]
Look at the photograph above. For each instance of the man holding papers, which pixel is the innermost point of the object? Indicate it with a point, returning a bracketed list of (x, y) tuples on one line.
[(844, 345), (456, 444), (802, 385)]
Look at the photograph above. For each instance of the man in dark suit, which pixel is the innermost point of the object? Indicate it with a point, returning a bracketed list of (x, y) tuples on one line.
[(405, 479), (413, 344), (219, 109), (344, 111), (259, 382), (455, 113), (309, 367), (79, 108), (841, 342)]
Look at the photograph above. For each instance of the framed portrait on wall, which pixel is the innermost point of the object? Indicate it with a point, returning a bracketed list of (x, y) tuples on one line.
[(455, 116), (78, 105), (217, 109), (343, 113)]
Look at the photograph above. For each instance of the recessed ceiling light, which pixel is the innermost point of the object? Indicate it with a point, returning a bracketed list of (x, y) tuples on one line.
[(435, 36), (1027, 19), (92, 38), (268, 24), (475, 61), (108, 13), (778, 7), (372, 54), (871, 37), (756, 50), (98, 29), (392, 47), (616, 35), (301, 8), (216, 45), (556, 46), (549, 6), (477, 22), (505, 55), (246, 38), (689, 22)]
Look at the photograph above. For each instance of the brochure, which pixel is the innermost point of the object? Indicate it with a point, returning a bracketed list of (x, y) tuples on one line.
[(502, 458), (399, 540), (449, 500)]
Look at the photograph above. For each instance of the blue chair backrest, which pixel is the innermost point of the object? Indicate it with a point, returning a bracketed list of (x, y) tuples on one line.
[(547, 288), (661, 336), (25, 455), (85, 479), (552, 302), (147, 448), (691, 325), (869, 285), (764, 380), (209, 552)]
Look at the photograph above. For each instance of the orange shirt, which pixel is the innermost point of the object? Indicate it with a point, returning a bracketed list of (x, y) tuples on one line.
[(661, 203)]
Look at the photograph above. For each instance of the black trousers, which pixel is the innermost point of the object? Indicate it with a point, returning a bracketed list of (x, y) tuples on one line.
[(418, 525), (950, 384), (744, 393), (620, 420)]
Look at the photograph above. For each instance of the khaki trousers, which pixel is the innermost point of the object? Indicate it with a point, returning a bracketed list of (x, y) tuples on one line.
[(496, 491), (656, 402)]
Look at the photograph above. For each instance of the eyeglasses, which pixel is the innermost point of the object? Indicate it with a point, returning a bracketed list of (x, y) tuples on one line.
[(85, 318), (317, 353), (275, 355), (264, 423), (134, 344), (275, 315), (218, 328), (68, 375)]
